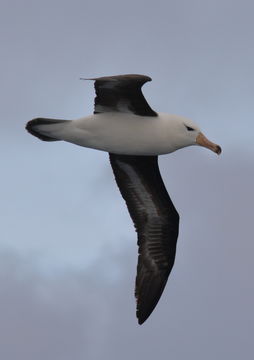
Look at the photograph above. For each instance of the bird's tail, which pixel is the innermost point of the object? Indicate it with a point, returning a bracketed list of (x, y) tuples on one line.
[(47, 129)]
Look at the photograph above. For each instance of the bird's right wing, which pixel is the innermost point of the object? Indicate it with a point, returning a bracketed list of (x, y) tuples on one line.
[(156, 221)]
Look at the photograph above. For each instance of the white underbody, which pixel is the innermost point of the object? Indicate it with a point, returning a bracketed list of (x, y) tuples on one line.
[(125, 133)]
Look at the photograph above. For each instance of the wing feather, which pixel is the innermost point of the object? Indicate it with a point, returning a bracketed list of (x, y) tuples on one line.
[(121, 93), (156, 221)]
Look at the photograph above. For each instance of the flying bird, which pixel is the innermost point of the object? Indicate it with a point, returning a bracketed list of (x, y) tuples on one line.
[(124, 125)]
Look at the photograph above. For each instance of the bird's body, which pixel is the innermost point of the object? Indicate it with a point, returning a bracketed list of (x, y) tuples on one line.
[(124, 125), (123, 133)]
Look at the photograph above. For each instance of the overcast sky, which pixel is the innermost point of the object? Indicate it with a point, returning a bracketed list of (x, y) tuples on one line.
[(68, 248)]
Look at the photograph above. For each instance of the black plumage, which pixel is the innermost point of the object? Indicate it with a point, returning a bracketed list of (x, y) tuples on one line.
[(156, 221), (121, 93)]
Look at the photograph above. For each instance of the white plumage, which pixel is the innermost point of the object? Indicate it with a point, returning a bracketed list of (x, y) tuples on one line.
[(125, 133)]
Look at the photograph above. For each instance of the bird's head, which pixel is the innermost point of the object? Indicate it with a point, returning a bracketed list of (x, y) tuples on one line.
[(192, 135)]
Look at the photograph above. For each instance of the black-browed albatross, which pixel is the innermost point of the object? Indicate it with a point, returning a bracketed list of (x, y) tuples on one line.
[(124, 125)]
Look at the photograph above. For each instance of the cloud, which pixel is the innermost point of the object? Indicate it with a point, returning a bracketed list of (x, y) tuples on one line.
[(80, 303), (206, 309), (57, 317)]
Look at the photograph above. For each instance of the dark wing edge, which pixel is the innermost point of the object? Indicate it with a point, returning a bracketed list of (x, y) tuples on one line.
[(156, 221), (121, 93), (135, 77)]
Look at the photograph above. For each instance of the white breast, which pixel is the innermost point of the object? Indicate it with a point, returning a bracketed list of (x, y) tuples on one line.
[(129, 134)]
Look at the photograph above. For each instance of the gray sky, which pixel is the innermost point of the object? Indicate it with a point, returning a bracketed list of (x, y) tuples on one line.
[(68, 248)]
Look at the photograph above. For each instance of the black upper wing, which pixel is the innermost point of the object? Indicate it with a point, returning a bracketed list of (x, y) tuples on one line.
[(121, 93), (156, 221)]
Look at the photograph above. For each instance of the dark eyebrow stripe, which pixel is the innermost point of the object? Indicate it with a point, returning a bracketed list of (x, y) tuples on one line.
[(189, 128)]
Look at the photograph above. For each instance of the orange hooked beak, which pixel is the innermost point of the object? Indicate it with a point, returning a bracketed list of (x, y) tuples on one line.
[(203, 141)]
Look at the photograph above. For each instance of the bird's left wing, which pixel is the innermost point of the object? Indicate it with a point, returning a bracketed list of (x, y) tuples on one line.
[(156, 221), (121, 93)]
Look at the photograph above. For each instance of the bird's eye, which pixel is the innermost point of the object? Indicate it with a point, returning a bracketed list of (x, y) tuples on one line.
[(189, 128)]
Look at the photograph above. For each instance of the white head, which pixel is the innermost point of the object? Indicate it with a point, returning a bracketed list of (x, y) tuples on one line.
[(187, 133)]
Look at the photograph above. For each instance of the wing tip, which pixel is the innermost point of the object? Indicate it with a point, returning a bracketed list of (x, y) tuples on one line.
[(141, 320), (142, 312)]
